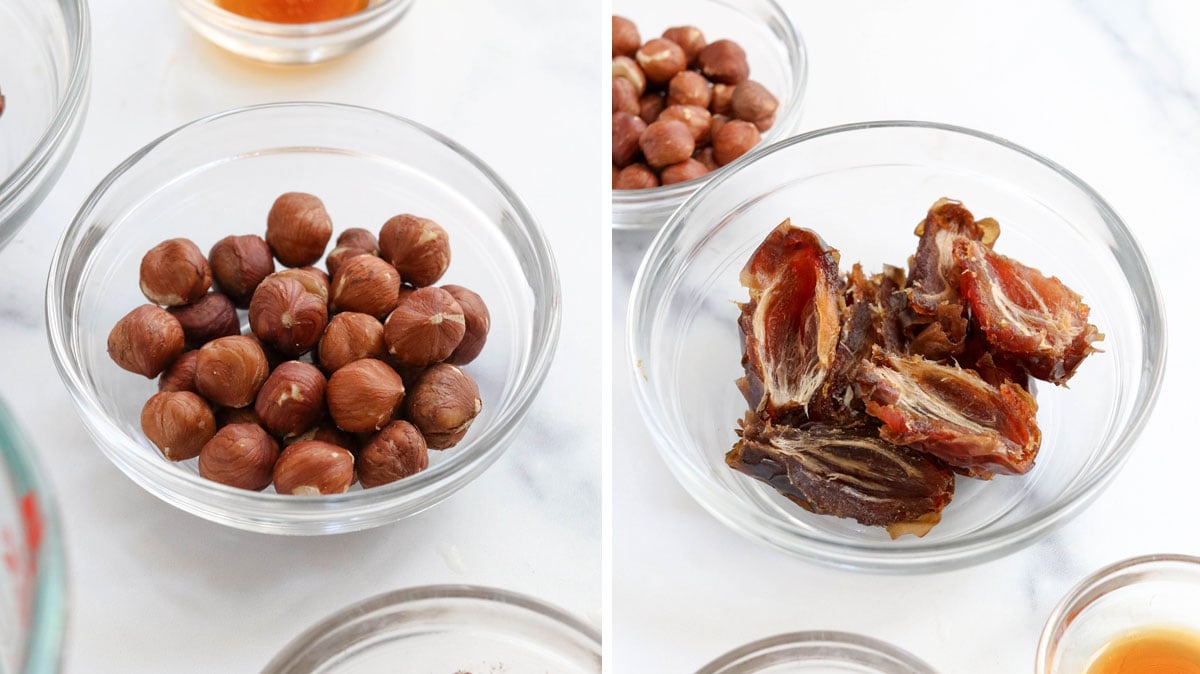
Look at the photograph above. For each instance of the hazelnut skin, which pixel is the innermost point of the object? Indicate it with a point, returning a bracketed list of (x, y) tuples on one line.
[(146, 341), (239, 264), (626, 68), (636, 177), (697, 119), (667, 142), (624, 98), (313, 468), (326, 432), (364, 395), (366, 284), (350, 336), (722, 99), (426, 327), (705, 157), (292, 399), (651, 106), (179, 423), (231, 370), (181, 376), (764, 123), (286, 317), (362, 239), (240, 455), (175, 272), (724, 62), (625, 37), (237, 415), (395, 452), (689, 88), (718, 121), (298, 229), (442, 404), (418, 247), (685, 170), (478, 322), (338, 256), (206, 319), (734, 140), (661, 60), (751, 102), (689, 39), (627, 131), (314, 280)]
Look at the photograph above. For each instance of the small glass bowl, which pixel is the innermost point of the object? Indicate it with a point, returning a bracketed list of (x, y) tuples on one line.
[(777, 59), (291, 43), (218, 176), (1140, 593), (46, 52), (862, 187), (32, 583), (817, 652), (445, 628)]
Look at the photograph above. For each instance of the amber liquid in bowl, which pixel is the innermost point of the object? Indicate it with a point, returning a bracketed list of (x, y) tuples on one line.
[(293, 11), (1163, 650)]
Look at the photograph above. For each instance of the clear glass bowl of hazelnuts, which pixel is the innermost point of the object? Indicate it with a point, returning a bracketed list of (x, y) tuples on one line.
[(273, 361), (695, 86)]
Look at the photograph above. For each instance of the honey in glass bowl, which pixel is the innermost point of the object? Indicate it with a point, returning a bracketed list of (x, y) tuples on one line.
[(1163, 650), (293, 11)]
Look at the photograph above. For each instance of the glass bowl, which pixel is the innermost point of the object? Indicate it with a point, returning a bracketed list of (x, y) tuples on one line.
[(291, 43), (1155, 591), (32, 581), (777, 59), (863, 187), (817, 652), (445, 628), (218, 176), (45, 56)]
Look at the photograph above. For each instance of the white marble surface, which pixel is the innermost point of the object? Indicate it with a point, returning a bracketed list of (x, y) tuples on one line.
[(1110, 89), (153, 589)]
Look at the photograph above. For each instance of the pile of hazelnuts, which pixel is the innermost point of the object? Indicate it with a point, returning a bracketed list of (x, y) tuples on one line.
[(682, 106), (355, 372)]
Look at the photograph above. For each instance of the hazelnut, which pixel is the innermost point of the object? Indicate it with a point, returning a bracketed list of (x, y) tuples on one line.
[(722, 99), (705, 157), (239, 264), (366, 284), (689, 88), (683, 171), (735, 139), (237, 415), (615, 172), (326, 432), (425, 328), (418, 247), (286, 317), (350, 336), (751, 102), (240, 455), (314, 280), (362, 239), (313, 468), (146, 341), (175, 272), (338, 256), (395, 452), (364, 395), (442, 404), (208, 318), (478, 322), (718, 121), (697, 119), (723, 61), (624, 98), (764, 123), (626, 68), (651, 105), (661, 60), (627, 130), (181, 376), (636, 177), (667, 142), (625, 37), (292, 399), (689, 39), (298, 229), (179, 423), (231, 370)]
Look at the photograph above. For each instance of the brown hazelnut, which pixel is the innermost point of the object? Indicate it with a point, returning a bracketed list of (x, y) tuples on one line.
[(651, 104), (689, 88), (366, 284), (661, 60), (208, 318), (239, 264), (442, 405), (667, 142), (326, 432), (626, 68), (625, 37), (705, 157), (764, 123), (181, 376), (722, 99), (751, 102), (179, 423), (314, 280), (627, 131), (286, 317), (364, 395), (718, 121), (362, 239), (313, 468), (337, 256), (697, 119), (237, 415), (624, 98), (689, 39), (231, 370), (478, 322), (418, 247), (350, 336), (292, 399), (683, 171), (175, 272), (395, 452), (723, 61), (240, 455), (425, 328), (298, 229), (146, 341), (734, 140), (636, 177)]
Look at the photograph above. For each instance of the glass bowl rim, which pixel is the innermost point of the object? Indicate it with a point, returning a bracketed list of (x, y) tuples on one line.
[(816, 638), (213, 14), (971, 548)]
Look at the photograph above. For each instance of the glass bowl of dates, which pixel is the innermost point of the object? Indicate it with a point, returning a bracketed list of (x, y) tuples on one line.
[(445, 628), (774, 53), (240, 381), (45, 54), (823, 377), (817, 652)]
